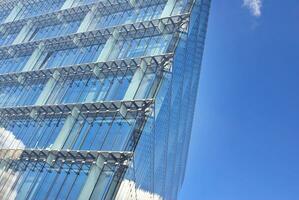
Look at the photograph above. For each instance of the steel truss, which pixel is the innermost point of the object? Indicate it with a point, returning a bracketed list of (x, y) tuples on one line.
[(104, 7), (126, 109), (135, 109), (8, 4), (114, 68), (5, 3), (166, 25), (76, 160)]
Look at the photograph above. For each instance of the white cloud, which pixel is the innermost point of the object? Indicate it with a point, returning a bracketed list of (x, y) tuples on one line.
[(254, 6)]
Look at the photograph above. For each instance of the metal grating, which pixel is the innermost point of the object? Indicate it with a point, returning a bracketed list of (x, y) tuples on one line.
[(109, 68), (103, 7), (135, 30), (127, 109), (21, 159)]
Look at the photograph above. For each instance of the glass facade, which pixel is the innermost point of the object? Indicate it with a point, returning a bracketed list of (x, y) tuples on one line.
[(97, 96)]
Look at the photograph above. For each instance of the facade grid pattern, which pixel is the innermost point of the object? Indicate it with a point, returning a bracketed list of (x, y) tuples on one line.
[(97, 96)]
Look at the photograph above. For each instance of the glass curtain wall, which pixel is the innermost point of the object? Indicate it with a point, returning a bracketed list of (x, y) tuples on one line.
[(3, 14), (13, 64), (20, 94), (127, 16), (66, 94), (39, 7), (7, 38), (56, 30)]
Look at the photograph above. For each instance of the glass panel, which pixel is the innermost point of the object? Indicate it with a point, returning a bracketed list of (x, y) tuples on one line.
[(128, 16), (66, 186), (101, 134), (141, 47), (39, 8), (56, 30), (4, 14), (181, 7), (13, 64), (65, 183), (7, 38), (83, 2), (73, 56), (16, 94), (29, 133), (89, 89), (77, 186)]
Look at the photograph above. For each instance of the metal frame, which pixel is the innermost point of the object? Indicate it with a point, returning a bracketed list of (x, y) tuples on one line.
[(134, 30), (139, 110), (3, 3), (104, 7), (21, 159), (109, 68), (7, 4), (127, 109), (65, 156)]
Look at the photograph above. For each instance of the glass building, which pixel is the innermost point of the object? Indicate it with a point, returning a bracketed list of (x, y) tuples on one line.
[(97, 96)]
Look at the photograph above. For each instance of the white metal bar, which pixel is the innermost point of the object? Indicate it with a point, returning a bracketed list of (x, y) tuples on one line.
[(103, 108)]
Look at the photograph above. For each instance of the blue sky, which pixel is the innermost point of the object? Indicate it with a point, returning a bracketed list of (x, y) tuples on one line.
[(245, 140)]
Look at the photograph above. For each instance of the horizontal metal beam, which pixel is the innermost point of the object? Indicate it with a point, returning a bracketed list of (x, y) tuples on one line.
[(64, 156), (126, 109), (103, 7), (71, 13), (134, 30), (21, 159), (8, 4), (4, 4), (110, 68)]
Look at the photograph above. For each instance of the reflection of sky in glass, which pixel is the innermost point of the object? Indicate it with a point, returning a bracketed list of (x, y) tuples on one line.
[(29, 134), (76, 132), (9, 141)]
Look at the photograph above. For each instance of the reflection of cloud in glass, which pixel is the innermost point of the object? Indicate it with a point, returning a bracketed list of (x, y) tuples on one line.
[(8, 177), (9, 141), (127, 191)]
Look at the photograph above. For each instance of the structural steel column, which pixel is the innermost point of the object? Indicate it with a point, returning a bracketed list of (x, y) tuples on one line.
[(168, 8), (67, 4), (135, 82), (25, 33), (167, 12), (50, 85), (96, 175), (133, 3), (14, 13), (66, 130), (139, 74), (87, 20), (36, 59), (110, 44), (64, 133)]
